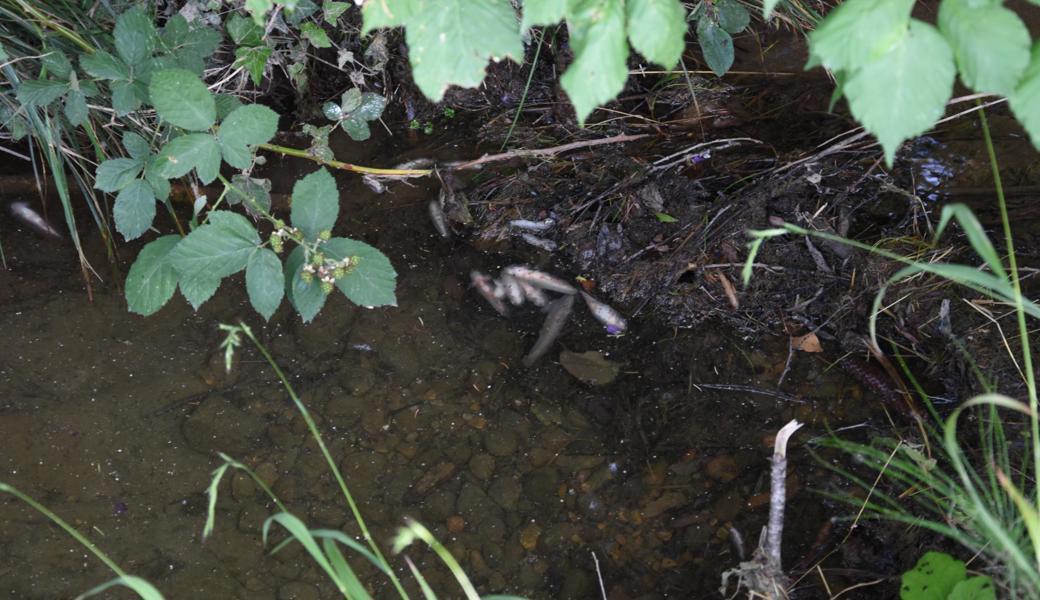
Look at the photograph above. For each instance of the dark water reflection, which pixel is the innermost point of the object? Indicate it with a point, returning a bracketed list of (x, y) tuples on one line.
[(113, 420)]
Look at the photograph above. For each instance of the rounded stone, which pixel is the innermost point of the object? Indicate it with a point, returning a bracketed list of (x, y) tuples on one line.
[(722, 468), (505, 491), (500, 443), (482, 466)]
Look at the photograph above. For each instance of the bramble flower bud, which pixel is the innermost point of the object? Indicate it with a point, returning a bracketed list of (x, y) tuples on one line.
[(339, 273), (326, 287), (279, 224), (325, 235), (276, 244), (306, 276)]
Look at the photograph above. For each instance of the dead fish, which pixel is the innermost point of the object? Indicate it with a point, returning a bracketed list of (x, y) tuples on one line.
[(540, 279), (543, 225), (537, 242), (486, 288), (557, 313), (535, 295), (512, 289), (24, 213), (605, 314), (440, 222)]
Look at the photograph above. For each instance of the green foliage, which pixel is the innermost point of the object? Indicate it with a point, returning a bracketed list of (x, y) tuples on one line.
[(898, 72), (939, 576), (717, 22), (600, 67), (354, 112)]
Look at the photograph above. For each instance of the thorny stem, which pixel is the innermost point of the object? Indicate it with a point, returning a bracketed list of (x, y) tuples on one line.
[(1023, 328), (335, 164), (328, 457)]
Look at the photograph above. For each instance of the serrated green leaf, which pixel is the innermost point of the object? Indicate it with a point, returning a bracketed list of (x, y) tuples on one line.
[(41, 92), (717, 46), (103, 65), (978, 587), (160, 186), (265, 282), (371, 279), (1025, 102), (315, 204), (125, 97), (243, 129), (600, 67), (858, 31), (306, 298), (115, 174), (197, 289), (376, 14), (656, 29), (733, 17), (57, 64), (182, 154), (478, 30), (542, 12), (253, 193), (152, 279), (136, 146), (219, 248), (134, 209), (315, 35), (190, 45), (932, 578), (135, 36), (207, 160), (254, 60), (244, 31), (180, 98), (903, 93), (332, 11), (76, 110), (370, 107), (226, 104), (356, 128), (990, 43)]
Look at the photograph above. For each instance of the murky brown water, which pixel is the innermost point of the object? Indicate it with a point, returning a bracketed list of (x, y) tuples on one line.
[(113, 421)]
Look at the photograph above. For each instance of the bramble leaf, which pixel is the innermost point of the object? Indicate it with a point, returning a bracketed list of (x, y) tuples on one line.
[(733, 17), (182, 154), (41, 92), (180, 97), (219, 248), (716, 44), (152, 279), (857, 31), (376, 14), (600, 67), (903, 92), (1025, 101), (990, 43), (134, 209), (478, 30), (243, 129), (657, 28), (306, 297), (198, 289), (103, 65), (265, 282), (371, 279), (542, 12), (115, 174), (135, 36), (315, 204)]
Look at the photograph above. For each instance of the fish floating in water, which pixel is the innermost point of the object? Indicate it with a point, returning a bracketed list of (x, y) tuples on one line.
[(24, 213), (520, 283)]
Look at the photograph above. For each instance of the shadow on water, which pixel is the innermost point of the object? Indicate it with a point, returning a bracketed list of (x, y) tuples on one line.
[(113, 421)]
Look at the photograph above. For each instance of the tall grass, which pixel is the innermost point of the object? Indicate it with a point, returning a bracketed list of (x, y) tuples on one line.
[(979, 491)]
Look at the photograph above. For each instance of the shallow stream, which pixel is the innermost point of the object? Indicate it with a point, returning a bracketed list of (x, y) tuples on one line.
[(527, 475)]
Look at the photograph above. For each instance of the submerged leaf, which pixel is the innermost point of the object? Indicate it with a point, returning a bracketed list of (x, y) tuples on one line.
[(590, 367)]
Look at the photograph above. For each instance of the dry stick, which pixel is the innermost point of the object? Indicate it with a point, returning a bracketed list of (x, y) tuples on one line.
[(777, 494), (552, 151)]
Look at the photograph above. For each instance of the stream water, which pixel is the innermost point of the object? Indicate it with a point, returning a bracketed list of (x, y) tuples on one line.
[(527, 475)]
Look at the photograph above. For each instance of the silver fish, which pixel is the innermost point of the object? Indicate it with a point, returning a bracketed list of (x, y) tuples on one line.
[(540, 279), (512, 288), (24, 213), (543, 225), (537, 242), (557, 313), (440, 222), (535, 295), (605, 314), (485, 287)]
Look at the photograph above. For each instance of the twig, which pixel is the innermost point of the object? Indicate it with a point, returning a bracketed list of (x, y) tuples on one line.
[(599, 576), (551, 151)]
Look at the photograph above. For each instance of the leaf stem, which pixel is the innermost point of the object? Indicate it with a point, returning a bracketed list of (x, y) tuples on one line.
[(335, 164)]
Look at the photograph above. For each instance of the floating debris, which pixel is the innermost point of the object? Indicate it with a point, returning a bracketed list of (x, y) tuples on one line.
[(590, 367), (537, 242), (543, 225), (605, 314), (558, 311)]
